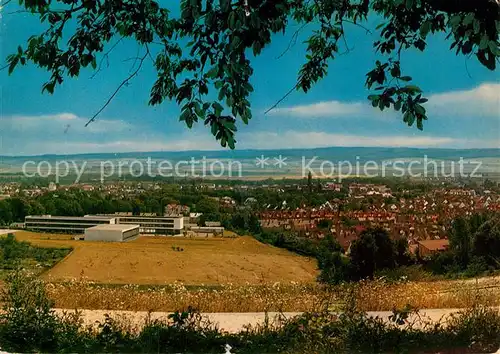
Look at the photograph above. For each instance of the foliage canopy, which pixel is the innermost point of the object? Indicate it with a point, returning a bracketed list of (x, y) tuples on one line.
[(210, 76)]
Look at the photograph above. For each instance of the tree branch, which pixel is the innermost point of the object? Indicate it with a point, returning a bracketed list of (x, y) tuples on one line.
[(106, 56), (293, 41), (124, 82), (282, 98)]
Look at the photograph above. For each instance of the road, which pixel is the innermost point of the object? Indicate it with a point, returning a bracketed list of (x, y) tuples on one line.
[(235, 322)]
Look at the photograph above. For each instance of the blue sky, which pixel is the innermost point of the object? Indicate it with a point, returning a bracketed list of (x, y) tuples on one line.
[(464, 106)]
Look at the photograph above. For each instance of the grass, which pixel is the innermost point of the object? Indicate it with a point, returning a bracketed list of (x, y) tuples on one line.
[(155, 261), (29, 324), (377, 295), (14, 254), (226, 275)]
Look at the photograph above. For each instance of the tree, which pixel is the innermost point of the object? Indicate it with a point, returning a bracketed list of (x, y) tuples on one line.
[(372, 251), (210, 75), (324, 224), (207, 206), (5, 213), (202, 220), (486, 241), (309, 182), (461, 239)]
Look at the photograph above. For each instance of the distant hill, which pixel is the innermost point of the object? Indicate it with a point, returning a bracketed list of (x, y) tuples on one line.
[(331, 153)]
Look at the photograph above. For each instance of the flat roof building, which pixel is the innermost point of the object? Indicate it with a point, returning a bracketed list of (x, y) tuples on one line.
[(157, 225), (65, 224), (213, 230), (112, 233)]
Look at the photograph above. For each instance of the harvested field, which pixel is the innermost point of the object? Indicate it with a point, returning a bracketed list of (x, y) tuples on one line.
[(226, 275), (367, 295), (165, 260)]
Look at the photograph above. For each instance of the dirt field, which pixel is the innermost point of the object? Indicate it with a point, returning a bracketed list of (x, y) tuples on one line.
[(153, 261)]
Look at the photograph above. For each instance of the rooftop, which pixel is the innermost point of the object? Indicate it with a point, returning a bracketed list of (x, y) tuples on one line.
[(435, 245), (114, 227), (86, 217)]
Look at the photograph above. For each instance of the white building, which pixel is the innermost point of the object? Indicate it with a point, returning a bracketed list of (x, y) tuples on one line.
[(159, 225), (112, 233), (65, 224)]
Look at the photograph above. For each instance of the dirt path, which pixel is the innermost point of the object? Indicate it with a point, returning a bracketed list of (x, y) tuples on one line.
[(235, 322)]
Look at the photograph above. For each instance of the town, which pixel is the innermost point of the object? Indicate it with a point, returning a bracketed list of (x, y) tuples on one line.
[(420, 213)]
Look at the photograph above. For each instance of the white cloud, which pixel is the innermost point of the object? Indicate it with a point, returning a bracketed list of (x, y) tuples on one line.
[(184, 143), (62, 123), (296, 139), (483, 100), (323, 109), (65, 133)]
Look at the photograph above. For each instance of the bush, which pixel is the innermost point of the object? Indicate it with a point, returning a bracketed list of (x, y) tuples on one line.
[(476, 266), (30, 325), (13, 252), (28, 322)]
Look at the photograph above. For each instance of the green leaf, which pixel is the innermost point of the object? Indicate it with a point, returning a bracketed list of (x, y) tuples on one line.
[(213, 128), (397, 105), (13, 64), (413, 88), (229, 125), (455, 20), (484, 43), (217, 108), (246, 116), (185, 115), (231, 141), (198, 109), (419, 109), (49, 86), (420, 124), (477, 26), (425, 28), (487, 59), (225, 5), (222, 94), (232, 20), (405, 78), (255, 20), (410, 118), (395, 71), (494, 48), (256, 48), (212, 73), (468, 19), (189, 121)]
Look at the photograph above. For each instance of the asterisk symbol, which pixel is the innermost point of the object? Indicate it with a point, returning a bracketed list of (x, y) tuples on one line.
[(280, 161), (262, 161)]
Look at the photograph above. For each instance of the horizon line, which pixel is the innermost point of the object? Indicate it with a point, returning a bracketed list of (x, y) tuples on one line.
[(251, 149)]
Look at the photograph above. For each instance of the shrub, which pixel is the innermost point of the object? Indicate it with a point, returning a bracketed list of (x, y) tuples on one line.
[(30, 325), (13, 252), (28, 321)]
